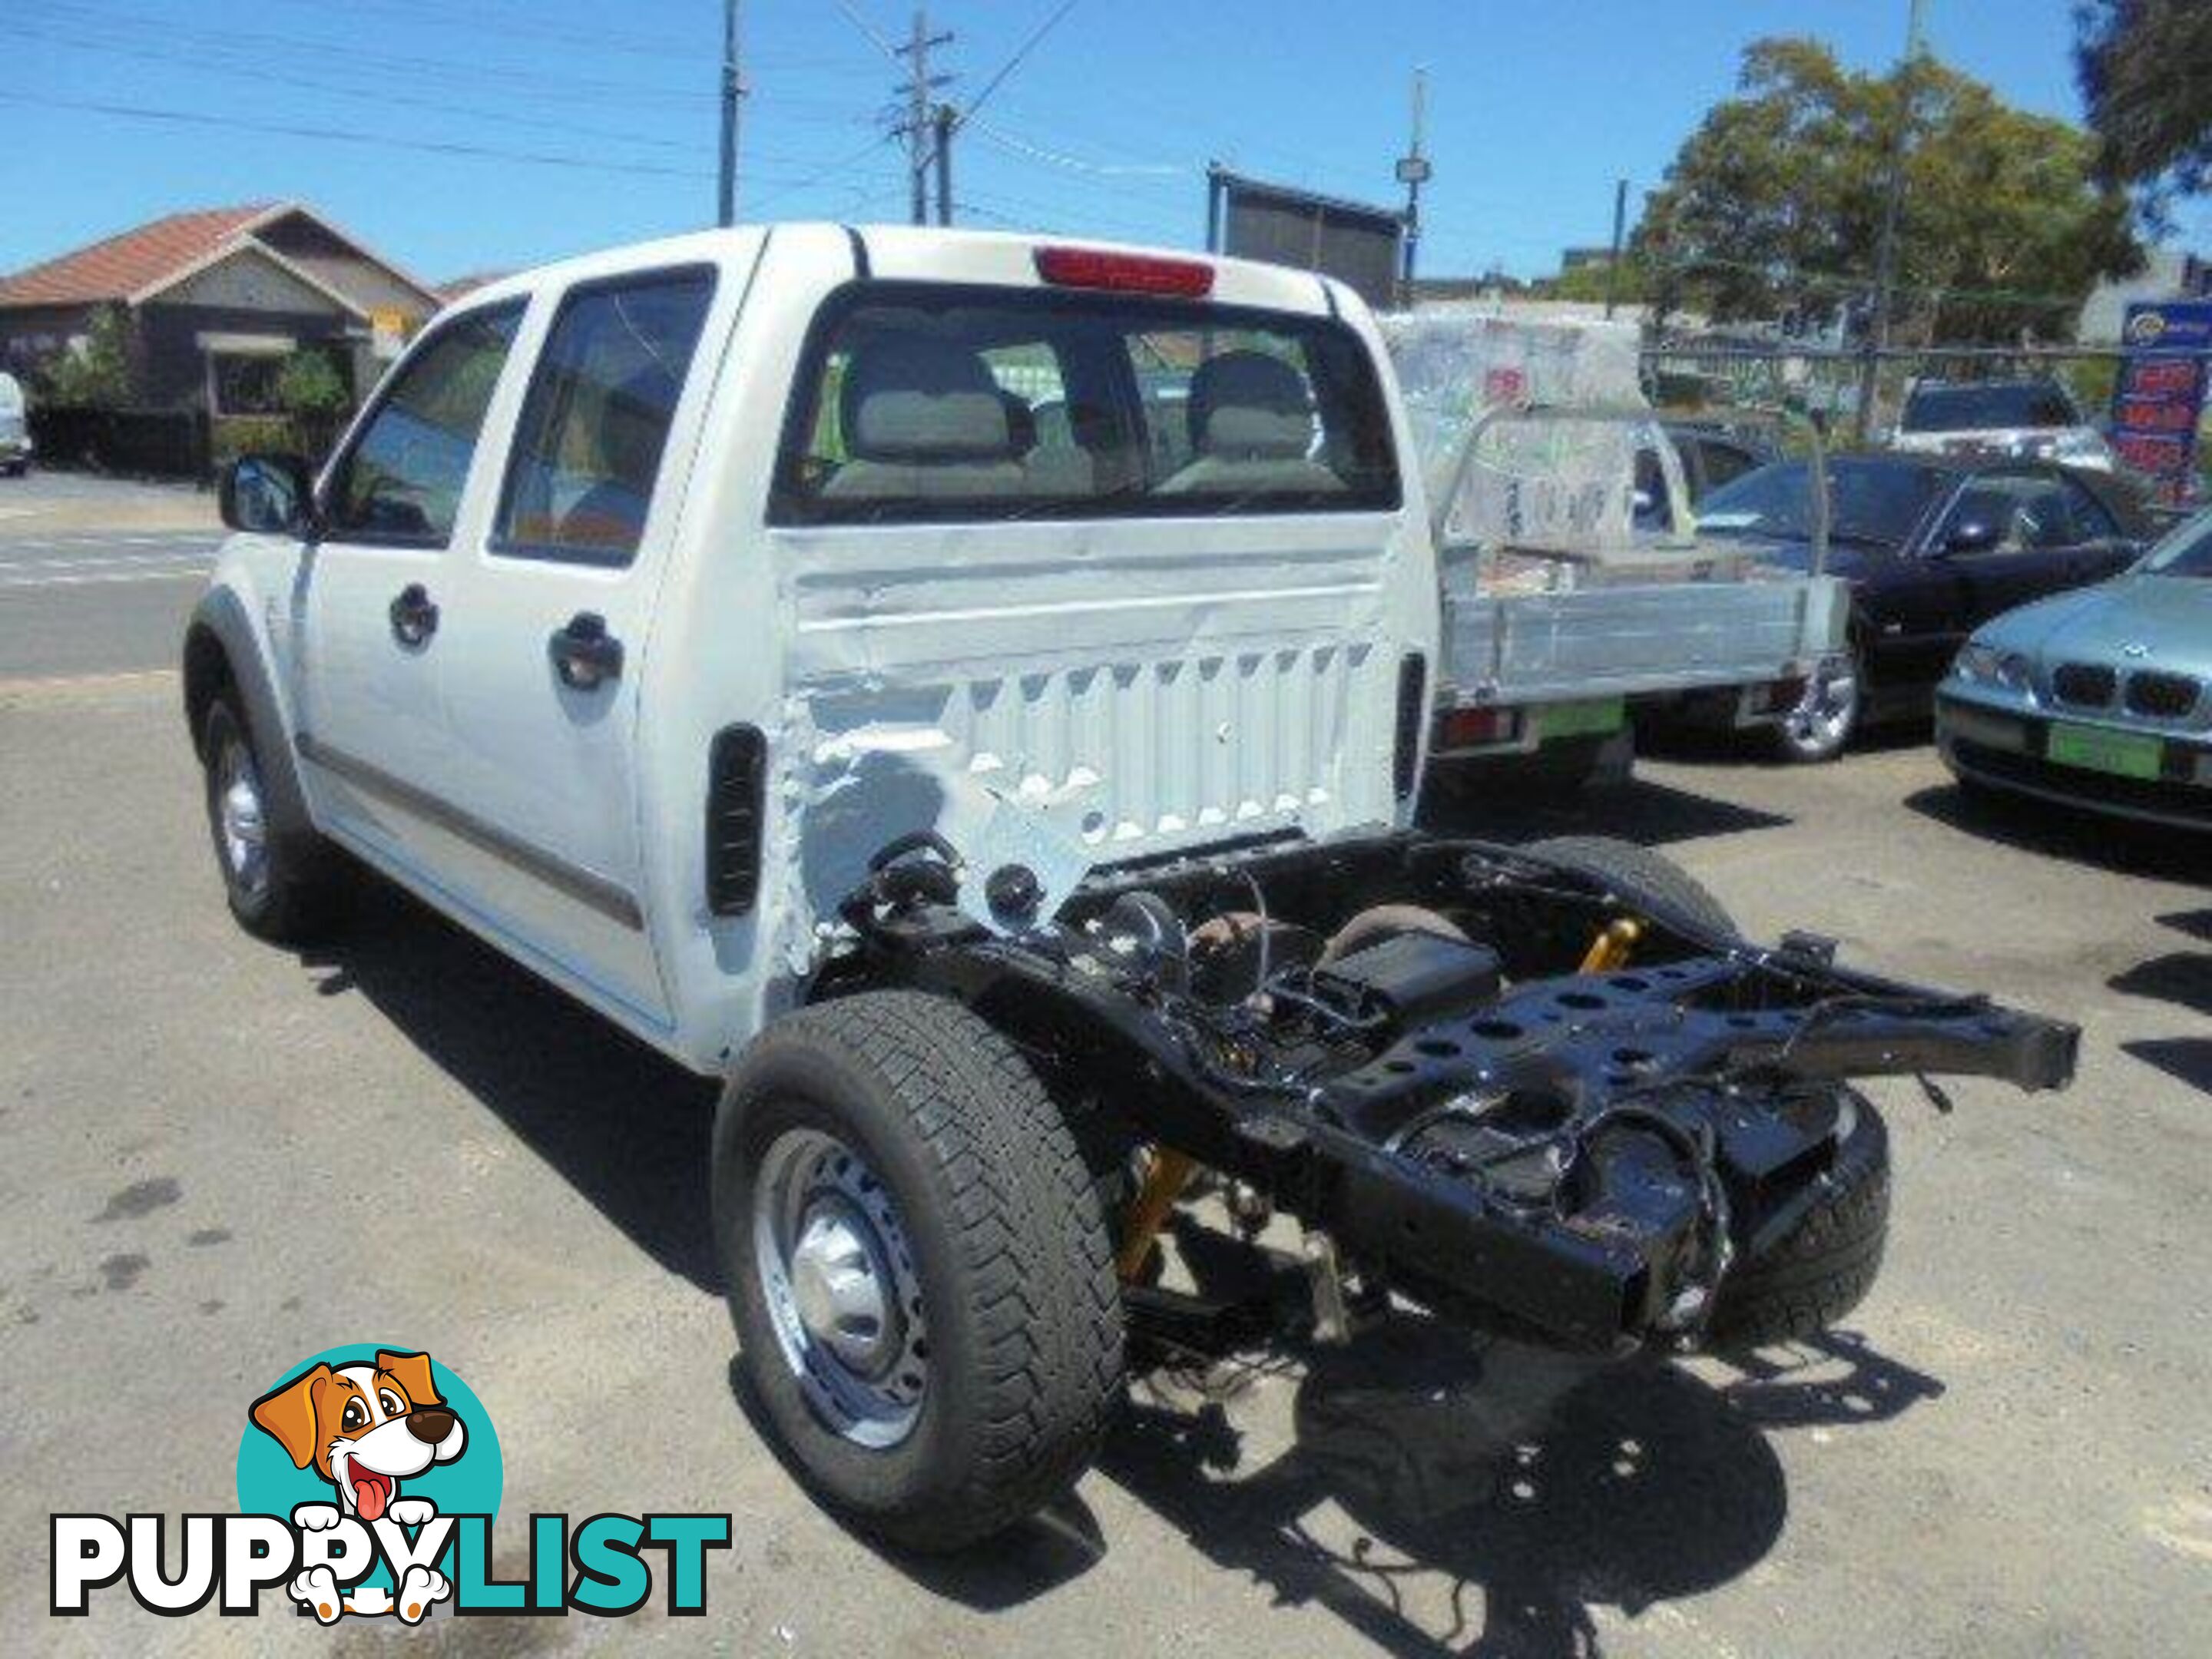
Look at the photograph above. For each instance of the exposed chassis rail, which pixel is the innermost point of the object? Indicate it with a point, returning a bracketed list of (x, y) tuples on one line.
[(1582, 1153)]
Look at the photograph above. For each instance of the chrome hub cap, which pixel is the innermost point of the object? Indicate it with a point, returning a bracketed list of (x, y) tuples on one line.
[(241, 819), (1824, 715), (838, 1287), (837, 1276)]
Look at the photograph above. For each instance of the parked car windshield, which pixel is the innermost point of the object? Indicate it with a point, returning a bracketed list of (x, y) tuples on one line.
[(928, 402), (1980, 408), (1869, 500), (2187, 551)]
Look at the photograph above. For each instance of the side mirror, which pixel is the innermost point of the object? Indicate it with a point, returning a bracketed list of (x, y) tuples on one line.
[(1972, 535), (268, 496)]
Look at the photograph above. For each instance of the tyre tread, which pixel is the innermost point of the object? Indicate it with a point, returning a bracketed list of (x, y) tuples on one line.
[(1036, 1257)]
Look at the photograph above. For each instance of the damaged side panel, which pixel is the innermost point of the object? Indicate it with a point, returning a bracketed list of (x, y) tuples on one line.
[(1156, 691)]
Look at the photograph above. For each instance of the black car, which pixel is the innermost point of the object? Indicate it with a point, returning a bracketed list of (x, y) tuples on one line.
[(1933, 546), (1712, 453)]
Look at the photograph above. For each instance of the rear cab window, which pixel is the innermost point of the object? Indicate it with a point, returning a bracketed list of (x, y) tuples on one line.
[(920, 402)]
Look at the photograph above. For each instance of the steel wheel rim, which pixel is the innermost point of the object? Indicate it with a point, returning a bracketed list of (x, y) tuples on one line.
[(241, 818), (837, 1277), (1824, 713)]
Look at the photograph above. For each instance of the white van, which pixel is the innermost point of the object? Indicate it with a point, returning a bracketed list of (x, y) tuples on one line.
[(15, 428)]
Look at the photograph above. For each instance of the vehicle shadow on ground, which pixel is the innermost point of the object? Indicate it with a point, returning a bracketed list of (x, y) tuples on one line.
[(1642, 810), (2058, 832), (1446, 1494), (2182, 979), (1687, 745), (1443, 1494), (625, 1128)]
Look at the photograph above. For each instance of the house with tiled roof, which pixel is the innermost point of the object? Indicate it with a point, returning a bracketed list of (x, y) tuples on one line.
[(215, 300)]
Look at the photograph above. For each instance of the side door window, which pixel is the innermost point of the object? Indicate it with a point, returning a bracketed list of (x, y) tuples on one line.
[(2101, 548), (2010, 537), (400, 483), (588, 446)]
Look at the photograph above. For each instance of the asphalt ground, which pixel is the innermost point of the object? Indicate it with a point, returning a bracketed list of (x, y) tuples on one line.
[(98, 575), (217, 1157)]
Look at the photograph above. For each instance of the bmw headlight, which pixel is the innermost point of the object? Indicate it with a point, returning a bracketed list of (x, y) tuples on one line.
[(1982, 664)]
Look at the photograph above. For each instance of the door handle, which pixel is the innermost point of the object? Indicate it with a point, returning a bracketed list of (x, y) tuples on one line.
[(583, 653), (414, 617)]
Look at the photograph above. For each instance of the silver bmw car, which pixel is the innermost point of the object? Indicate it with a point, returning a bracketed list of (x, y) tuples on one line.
[(2100, 698)]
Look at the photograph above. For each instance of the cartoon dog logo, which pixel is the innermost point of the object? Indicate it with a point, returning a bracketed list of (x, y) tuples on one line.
[(366, 1426)]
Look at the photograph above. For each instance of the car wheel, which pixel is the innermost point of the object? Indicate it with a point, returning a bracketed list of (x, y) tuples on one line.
[(1826, 717), (1823, 1267), (918, 1264), (1639, 876), (281, 886)]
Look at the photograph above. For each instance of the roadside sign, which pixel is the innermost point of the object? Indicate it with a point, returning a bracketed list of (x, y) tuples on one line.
[(2160, 395), (388, 332)]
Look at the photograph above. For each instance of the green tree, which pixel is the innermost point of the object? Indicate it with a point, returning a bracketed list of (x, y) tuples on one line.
[(309, 384), (96, 375), (1774, 204), (2145, 68), (1591, 283)]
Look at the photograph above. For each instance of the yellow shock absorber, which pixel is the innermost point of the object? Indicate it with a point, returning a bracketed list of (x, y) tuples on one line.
[(1610, 950), (1168, 1173)]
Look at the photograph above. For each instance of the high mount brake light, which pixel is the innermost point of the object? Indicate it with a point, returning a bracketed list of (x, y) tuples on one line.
[(1127, 273)]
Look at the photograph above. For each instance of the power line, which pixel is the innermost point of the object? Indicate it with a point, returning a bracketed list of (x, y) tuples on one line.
[(1023, 51), (370, 140), (867, 29), (823, 174), (355, 58), (1023, 147), (334, 89)]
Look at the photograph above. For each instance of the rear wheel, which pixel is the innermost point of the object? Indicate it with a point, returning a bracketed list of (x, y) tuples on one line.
[(1826, 717), (918, 1264), (1639, 876), (1823, 1267)]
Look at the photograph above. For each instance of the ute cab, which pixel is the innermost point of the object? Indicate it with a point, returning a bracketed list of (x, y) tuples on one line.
[(835, 535)]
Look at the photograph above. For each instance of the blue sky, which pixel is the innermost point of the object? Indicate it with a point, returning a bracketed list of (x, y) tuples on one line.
[(1104, 129)]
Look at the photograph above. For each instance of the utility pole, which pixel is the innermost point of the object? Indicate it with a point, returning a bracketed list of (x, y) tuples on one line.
[(1414, 171), (1620, 229), (732, 90), (920, 84), (947, 118), (1892, 207)]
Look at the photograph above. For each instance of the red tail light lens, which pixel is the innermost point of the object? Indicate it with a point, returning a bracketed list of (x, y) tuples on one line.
[(1126, 273), (1477, 728)]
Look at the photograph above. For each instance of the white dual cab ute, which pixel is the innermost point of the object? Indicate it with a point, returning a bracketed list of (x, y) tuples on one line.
[(968, 692)]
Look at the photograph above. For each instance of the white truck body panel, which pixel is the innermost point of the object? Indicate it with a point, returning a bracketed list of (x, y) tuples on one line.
[(1131, 685)]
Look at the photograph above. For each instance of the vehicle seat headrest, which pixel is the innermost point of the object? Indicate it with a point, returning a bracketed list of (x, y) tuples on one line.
[(1021, 423), (1246, 405), (915, 399)]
